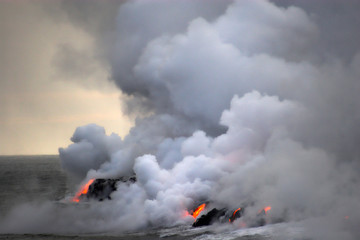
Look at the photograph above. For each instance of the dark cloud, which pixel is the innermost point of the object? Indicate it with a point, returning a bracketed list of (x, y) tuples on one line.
[(96, 18), (47, 59), (337, 22)]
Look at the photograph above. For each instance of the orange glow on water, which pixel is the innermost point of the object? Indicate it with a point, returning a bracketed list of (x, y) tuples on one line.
[(83, 190), (199, 210)]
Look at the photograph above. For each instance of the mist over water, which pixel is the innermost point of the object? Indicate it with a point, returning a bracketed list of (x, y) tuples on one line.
[(30, 178), (237, 102), (32, 182)]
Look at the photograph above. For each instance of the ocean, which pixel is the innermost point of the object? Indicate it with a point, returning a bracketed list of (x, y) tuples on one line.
[(40, 179)]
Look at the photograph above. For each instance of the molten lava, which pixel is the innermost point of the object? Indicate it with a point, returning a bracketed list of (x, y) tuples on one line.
[(83, 190), (265, 209), (199, 210), (232, 218)]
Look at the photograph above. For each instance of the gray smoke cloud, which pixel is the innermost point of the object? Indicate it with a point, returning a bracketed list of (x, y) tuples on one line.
[(237, 102)]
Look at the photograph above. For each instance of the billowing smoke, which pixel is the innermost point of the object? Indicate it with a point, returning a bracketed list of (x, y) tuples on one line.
[(237, 102)]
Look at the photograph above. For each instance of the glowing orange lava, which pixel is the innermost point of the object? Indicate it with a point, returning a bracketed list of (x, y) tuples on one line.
[(265, 209), (233, 215), (199, 210), (83, 190), (236, 211)]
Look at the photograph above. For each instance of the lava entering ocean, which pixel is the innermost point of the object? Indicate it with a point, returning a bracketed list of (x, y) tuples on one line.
[(236, 214), (101, 189), (198, 210), (83, 190)]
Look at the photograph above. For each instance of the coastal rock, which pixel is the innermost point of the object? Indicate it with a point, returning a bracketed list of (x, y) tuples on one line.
[(101, 189), (214, 215)]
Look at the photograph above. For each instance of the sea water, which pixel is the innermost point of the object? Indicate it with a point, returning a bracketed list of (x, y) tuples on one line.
[(25, 179)]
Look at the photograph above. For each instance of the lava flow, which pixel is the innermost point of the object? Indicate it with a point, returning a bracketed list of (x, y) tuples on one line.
[(198, 210), (265, 210), (233, 216), (83, 190)]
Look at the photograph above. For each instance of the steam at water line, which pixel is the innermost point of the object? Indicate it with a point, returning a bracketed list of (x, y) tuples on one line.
[(237, 107)]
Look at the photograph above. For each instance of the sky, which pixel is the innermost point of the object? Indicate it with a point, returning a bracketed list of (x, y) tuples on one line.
[(51, 78), (63, 63)]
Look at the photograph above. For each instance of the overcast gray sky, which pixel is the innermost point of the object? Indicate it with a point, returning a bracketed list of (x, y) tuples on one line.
[(51, 77), (56, 59)]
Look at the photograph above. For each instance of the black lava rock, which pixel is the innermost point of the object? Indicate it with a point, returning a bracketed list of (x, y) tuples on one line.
[(213, 216), (101, 189)]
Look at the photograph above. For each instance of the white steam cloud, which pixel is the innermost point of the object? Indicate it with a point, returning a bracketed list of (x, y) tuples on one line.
[(241, 107)]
